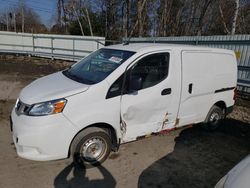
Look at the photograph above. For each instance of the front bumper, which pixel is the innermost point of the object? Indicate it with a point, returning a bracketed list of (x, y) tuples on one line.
[(42, 138)]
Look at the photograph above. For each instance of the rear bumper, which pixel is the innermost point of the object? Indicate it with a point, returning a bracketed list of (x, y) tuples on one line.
[(42, 138)]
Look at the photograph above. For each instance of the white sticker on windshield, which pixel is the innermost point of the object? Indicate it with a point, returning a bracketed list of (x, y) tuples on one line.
[(115, 59)]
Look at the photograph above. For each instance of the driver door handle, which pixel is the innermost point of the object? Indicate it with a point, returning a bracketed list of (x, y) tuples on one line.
[(166, 91)]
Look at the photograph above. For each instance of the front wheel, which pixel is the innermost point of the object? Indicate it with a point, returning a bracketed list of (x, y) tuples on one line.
[(91, 147), (214, 117)]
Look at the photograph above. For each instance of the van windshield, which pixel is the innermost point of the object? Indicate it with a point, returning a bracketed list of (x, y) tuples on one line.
[(97, 66)]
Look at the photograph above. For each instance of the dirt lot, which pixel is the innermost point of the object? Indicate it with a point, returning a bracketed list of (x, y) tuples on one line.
[(188, 157)]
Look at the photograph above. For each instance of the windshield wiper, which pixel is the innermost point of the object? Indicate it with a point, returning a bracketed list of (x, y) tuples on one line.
[(72, 76), (76, 78)]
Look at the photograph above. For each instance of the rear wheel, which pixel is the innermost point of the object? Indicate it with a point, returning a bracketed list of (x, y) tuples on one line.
[(214, 117), (91, 147)]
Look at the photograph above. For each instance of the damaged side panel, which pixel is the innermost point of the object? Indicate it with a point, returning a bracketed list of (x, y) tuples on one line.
[(123, 127), (165, 121), (151, 110), (141, 118)]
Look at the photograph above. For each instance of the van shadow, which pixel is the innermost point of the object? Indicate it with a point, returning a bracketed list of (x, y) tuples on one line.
[(200, 158), (79, 179)]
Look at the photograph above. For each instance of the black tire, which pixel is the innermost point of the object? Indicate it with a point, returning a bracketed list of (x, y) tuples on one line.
[(213, 119), (81, 142)]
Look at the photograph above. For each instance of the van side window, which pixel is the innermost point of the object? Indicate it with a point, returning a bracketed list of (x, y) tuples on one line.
[(116, 88), (152, 69)]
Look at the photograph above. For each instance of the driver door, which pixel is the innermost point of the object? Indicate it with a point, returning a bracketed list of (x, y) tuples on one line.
[(151, 107)]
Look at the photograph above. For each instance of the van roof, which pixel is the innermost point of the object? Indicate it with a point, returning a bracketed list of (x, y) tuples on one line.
[(148, 47)]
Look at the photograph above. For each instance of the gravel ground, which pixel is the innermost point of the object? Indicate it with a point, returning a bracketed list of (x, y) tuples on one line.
[(188, 157), (242, 112)]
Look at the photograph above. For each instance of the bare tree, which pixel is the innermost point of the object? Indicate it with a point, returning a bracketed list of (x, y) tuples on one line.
[(61, 15), (165, 15), (190, 18), (125, 17), (140, 18), (128, 18), (237, 5), (226, 30), (202, 14), (89, 21), (78, 19), (21, 2), (7, 20), (80, 9), (110, 18), (140, 7)]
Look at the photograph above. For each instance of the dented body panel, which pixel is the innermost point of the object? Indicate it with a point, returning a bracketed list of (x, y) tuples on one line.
[(147, 111)]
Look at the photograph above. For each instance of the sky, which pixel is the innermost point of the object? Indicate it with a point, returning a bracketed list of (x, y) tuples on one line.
[(44, 8)]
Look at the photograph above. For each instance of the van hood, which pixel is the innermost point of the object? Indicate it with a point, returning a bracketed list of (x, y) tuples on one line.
[(51, 87)]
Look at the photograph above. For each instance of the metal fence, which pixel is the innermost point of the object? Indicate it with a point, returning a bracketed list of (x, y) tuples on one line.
[(238, 43), (75, 47), (52, 46)]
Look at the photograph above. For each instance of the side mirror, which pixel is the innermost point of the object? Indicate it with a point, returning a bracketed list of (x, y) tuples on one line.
[(135, 84)]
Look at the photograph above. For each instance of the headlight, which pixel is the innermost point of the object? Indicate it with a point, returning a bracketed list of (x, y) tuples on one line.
[(47, 108)]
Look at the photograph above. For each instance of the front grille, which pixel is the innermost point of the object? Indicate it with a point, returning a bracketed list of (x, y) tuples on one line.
[(22, 108)]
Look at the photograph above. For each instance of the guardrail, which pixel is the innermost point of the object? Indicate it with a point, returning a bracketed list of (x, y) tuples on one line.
[(238, 43), (51, 46)]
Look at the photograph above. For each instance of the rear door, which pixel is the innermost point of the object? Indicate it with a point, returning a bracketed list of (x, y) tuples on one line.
[(154, 107)]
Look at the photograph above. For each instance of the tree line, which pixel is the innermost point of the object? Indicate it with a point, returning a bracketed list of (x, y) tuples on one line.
[(21, 18), (142, 18)]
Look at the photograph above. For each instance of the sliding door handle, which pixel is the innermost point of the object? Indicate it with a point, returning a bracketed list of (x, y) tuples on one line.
[(190, 88)]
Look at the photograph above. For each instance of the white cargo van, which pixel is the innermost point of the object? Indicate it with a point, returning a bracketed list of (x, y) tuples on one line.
[(121, 93)]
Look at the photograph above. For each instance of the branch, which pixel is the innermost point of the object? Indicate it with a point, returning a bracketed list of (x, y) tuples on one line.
[(223, 20), (237, 4), (78, 19)]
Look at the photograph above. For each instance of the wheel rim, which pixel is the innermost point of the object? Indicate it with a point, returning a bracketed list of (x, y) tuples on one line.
[(214, 118), (93, 149)]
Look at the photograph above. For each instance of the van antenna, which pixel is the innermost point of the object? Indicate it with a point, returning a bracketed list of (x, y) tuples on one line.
[(127, 41)]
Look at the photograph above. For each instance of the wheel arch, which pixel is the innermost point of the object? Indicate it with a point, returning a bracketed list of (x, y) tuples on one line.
[(110, 129), (221, 104)]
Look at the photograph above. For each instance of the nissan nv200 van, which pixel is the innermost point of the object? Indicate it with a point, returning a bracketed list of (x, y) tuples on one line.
[(118, 94)]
